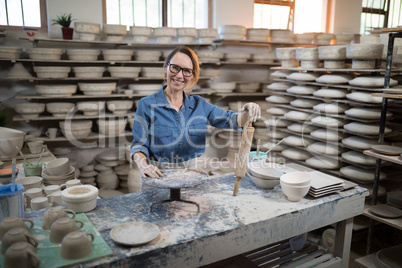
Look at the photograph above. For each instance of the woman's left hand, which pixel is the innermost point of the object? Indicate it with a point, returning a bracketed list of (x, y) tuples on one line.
[(253, 109)]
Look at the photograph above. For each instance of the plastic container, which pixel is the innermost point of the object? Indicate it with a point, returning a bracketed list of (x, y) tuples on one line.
[(11, 201)]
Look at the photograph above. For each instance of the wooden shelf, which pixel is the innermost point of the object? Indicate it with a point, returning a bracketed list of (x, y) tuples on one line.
[(31, 79), (347, 70), (74, 116), (387, 95), (396, 223), (395, 29), (249, 42), (393, 159)]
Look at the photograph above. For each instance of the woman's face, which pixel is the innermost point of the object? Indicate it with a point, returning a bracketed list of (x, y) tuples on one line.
[(177, 81)]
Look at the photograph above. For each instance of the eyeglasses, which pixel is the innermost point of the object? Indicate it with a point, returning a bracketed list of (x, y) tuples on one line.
[(176, 69)]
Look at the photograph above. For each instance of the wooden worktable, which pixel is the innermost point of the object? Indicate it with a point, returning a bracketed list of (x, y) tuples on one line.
[(226, 225)]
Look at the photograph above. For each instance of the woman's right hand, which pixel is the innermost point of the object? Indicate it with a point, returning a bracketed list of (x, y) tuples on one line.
[(151, 171)]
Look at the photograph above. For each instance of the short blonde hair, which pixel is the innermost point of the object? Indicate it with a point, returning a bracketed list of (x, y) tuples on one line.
[(194, 59)]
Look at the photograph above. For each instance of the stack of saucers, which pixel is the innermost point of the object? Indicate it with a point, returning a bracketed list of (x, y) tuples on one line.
[(122, 173), (265, 175), (394, 198), (87, 175), (58, 172)]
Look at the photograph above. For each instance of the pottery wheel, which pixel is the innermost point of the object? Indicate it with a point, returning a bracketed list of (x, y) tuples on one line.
[(176, 178), (386, 211)]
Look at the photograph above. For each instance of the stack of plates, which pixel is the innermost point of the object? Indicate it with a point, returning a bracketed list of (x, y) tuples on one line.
[(387, 149), (394, 198), (112, 157), (323, 184), (264, 175), (58, 179)]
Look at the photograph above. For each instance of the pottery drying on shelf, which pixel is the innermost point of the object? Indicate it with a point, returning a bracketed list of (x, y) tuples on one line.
[(52, 71), (334, 78), (18, 71), (279, 99), (323, 162), (363, 97), (359, 142), (302, 90), (10, 53), (277, 123), (264, 58), (186, 34), (91, 107), (60, 109), (305, 77), (360, 174), (297, 141), (359, 158), (296, 154), (281, 36), (301, 128), (305, 38), (153, 72), (94, 89), (124, 71), (279, 86), (343, 39), (83, 54), (277, 111), (114, 32), (29, 110), (371, 81), (45, 53), (366, 113), (232, 32), (323, 148), (297, 116), (56, 90), (236, 57), (88, 71), (327, 134), (120, 107), (87, 31), (117, 54), (331, 93), (304, 103), (112, 127), (327, 121), (77, 129), (258, 34), (280, 74), (387, 149), (332, 52), (323, 38), (364, 128), (331, 108)]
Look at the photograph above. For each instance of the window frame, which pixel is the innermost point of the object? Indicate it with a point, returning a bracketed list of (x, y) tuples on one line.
[(43, 20), (289, 3)]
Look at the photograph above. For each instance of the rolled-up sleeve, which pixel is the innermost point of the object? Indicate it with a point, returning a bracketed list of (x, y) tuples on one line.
[(223, 119), (140, 131)]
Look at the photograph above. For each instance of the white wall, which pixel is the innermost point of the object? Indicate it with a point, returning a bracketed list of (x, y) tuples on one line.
[(345, 16), (84, 11), (233, 12)]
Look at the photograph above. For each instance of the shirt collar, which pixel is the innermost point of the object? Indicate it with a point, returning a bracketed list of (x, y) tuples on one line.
[(189, 102)]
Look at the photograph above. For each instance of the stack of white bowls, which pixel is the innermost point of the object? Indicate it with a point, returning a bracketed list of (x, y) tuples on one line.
[(223, 87), (124, 71), (60, 109), (334, 56), (58, 171), (111, 158), (232, 32), (120, 107), (83, 54), (10, 139), (287, 56), (45, 53), (323, 38), (281, 35), (97, 89), (258, 34), (206, 36), (76, 129), (91, 107), (114, 32), (140, 33), (209, 56), (10, 53), (112, 127), (164, 35), (186, 35), (153, 72), (122, 173), (107, 180), (87, 31), (265, 175), (29, 110), (295, 185)]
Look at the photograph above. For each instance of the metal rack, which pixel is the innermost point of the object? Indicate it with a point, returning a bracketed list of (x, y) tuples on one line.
[(396, 33)]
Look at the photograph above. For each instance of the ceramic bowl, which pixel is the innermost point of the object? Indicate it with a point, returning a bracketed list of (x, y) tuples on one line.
[(364, 51), (232, 29), (164, 31), (88, 71), (307, 53), (112, 127), (59, 107), (58, 167), (97, 88), (140, 30), (45, 53), (115, 29), (223, 86), (56, 90), (91, 107), (29, 110), (87, 27), (296, 178), (123, 71), (266, 171), (262, 183), (286, 53), (119, 105), (117, 54), (83, 54), (10, 139), (81, 198), (332, 52), (207, 33), (29, 182), (294, 193), (186, 31), (52, 71)]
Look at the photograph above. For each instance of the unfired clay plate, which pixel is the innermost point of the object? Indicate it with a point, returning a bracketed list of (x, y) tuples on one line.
[(134, 233), (386, 149), (386, 211)]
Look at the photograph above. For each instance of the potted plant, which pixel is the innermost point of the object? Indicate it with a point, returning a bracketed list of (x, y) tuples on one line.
[(64, 21)]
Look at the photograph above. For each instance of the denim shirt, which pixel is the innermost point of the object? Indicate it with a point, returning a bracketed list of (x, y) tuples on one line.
[(164, 135)]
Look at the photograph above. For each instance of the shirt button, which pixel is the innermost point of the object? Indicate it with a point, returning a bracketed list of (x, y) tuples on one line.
[(179, 133), (180, 146), (177, 121)]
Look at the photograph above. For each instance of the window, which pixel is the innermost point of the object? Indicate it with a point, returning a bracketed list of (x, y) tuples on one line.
[(22, 13), (380, 14), (273, 14), (178, 13)]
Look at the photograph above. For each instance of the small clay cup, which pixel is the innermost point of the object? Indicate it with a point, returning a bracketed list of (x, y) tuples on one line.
[(21, 254), (33, 169), (62, 227), (13, 222), (76, 245), (53, 214), (15, 235)]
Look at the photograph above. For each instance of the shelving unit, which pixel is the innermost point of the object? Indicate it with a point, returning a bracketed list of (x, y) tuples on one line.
[(393, 33)]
